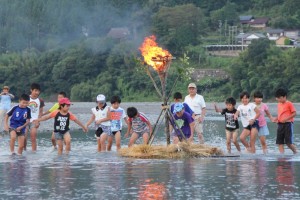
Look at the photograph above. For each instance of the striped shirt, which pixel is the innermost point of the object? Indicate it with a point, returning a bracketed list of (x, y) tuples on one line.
[(139, 123)]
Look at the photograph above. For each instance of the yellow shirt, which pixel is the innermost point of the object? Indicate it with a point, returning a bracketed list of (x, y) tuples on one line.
[(54, 107)]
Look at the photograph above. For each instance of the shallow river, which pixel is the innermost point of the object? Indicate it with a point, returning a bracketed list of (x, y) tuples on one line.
[(86, 174)]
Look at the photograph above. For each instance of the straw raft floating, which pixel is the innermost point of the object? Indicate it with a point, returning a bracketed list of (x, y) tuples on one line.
[(172, 151)]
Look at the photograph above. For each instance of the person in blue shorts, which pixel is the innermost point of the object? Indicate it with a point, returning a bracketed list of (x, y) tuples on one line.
[(19, 118)]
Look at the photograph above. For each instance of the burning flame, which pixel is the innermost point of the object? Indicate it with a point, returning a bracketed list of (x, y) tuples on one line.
[(154, 55)]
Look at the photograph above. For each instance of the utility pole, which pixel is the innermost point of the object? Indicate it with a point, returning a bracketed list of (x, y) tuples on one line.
[(220, 29)]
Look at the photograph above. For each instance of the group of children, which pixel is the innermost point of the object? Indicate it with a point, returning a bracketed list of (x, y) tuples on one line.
[(27, 115), (107, 120), (254, 123)]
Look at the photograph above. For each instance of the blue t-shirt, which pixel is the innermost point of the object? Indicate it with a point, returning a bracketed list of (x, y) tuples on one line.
[(186, 108), (5, 102), (183, 123), (19, 116), (116, 116)]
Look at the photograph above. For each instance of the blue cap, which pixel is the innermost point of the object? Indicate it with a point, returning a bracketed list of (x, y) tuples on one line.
[(178, 107)]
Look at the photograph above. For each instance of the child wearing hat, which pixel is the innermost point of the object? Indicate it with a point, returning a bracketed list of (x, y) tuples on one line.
[(5, 103), (101, 118), (62, 118), (185, 122)]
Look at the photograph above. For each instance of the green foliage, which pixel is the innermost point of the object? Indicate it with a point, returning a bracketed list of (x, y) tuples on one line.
[(62, 45), (179, 26), (271, 69), (287, 41)]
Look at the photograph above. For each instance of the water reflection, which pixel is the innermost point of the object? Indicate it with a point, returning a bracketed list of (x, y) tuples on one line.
[(88, 175), (152, 190), (14, 176), (285, 177)]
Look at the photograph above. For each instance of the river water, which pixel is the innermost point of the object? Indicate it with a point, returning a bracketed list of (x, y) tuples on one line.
[(86, 174)]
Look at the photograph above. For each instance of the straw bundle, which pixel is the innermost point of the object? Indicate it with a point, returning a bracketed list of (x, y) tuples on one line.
[(180, 150)]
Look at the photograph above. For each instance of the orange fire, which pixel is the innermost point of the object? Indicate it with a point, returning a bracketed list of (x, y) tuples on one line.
[(154, 55)]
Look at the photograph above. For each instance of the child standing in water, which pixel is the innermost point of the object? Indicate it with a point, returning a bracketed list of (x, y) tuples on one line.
[(249, 115), (263, 127), (117, 114), (52, 109), (5, 104), (36, 106), (20, 118), (285, 121), (231, 124), (101, 118), (62, 118)]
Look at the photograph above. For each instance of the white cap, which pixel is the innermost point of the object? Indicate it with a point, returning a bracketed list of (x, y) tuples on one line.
[(192, 85), (101, 98)]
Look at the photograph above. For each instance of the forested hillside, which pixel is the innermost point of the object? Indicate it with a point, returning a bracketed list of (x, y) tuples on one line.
[(65, 45)]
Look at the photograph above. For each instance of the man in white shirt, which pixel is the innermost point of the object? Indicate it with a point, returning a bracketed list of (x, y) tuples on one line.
[(197, 104)]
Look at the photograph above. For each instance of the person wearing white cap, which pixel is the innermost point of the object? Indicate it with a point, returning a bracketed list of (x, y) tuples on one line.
[(197, 103), (101, 118)]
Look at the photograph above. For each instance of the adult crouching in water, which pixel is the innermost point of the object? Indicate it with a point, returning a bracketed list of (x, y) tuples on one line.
[(197, 104)]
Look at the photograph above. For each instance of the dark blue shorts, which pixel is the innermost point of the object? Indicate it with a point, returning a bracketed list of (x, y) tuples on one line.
[(285, 133), (254, 125)]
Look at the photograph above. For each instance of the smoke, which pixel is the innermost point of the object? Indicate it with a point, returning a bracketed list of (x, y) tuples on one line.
[(49, 24)]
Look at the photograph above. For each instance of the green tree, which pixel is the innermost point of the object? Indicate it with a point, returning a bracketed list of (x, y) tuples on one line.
[(179, 26)]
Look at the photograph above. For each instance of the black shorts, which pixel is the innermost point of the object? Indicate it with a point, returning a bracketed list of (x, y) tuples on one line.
[(19, 133), (114, 132), (254, 125), (285, 133), (98, 132)]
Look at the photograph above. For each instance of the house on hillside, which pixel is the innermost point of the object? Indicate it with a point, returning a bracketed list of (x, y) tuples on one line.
[(293, 34), (246, 38), (246, 19), (259, 22), (283, 40), (119, 33), (274, 34)]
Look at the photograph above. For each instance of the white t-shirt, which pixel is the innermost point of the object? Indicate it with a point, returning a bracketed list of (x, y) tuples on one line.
[(196, 103), (116, 116), (35, 105), (247, 113), (101, 114)]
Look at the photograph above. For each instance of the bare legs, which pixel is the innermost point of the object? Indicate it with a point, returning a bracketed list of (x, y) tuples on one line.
[(117, 137), (232, 136), (251, 145), (13, 137), (135, 136)]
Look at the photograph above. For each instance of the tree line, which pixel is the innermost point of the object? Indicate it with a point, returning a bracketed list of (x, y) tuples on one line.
[(63, 45)]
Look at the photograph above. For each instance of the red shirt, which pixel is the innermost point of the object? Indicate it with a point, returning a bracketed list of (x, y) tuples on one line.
[(285, 110)]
